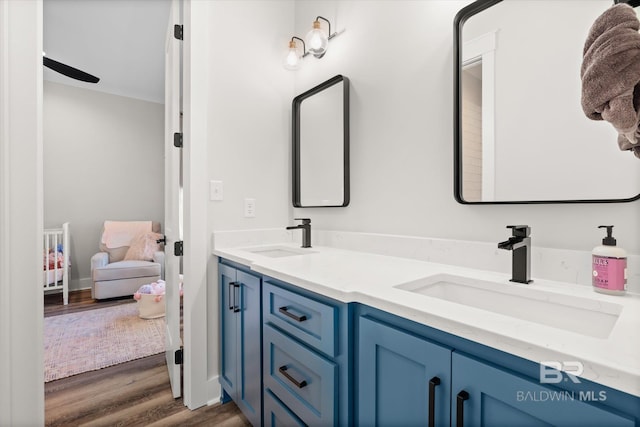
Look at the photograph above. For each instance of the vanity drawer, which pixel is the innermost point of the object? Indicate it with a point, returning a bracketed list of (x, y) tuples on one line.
[(276, 414), (304, 318), (303, 380)]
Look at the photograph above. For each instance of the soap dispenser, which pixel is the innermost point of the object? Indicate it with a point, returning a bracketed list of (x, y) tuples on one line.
[(609, 266)]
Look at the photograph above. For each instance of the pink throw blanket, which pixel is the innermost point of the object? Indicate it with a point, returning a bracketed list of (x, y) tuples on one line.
[(119, 233)]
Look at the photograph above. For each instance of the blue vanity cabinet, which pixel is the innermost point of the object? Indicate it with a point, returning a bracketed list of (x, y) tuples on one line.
[(241, 338), (306, 357), (478, 386), (292, 357), (487, 395), (403, 379)]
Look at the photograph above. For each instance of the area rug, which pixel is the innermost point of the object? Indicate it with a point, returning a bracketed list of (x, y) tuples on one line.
[(95, 339)]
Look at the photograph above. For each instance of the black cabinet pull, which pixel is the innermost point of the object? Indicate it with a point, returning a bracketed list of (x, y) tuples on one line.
[(231, 291), (236, 305), (462, 396), (285, 311), (433, 382), (283, 371)]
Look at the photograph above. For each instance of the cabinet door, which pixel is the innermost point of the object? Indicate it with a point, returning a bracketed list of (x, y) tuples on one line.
[(228, 330), (250, 348), (403, 380), (484, 395)]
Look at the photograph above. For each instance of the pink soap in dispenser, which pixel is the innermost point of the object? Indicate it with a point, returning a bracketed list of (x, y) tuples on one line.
[(609, 266)]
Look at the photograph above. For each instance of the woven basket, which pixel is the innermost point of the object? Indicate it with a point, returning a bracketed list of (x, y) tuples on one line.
[(149, 308)]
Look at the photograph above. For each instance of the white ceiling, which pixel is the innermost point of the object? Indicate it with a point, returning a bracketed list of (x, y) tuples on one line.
[(120, 41)]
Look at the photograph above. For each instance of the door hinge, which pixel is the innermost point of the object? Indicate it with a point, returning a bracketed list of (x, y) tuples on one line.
[(178, 248), (177, 139), (177, 31), (178, 357)]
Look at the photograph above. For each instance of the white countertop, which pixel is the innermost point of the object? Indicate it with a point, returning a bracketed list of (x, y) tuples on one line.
[(351, 276)]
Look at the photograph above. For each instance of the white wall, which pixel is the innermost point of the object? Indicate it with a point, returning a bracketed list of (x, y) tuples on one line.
[(250, 96), (103, 159), (399, 57)]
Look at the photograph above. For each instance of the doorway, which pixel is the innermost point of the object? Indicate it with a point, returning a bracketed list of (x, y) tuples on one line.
[(21, 229), (103, 143)]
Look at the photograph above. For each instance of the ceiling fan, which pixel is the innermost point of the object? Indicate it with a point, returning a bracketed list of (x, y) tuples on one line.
[(68, 71)]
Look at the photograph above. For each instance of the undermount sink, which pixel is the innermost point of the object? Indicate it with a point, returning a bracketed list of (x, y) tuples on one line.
[(277, 251), (581, 315)]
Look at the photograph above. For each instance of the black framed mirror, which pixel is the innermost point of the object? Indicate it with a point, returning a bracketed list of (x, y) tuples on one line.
[(632, 3), (520, 135), (321, 145)]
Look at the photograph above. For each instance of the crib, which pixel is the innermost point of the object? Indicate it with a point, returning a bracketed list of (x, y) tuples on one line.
[(57, 256)]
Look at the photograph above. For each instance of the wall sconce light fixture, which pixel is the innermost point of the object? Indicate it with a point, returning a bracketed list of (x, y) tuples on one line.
[(317, 39), (292, 59)]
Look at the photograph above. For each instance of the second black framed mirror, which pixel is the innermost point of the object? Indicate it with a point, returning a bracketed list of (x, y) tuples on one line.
[(520, 135)]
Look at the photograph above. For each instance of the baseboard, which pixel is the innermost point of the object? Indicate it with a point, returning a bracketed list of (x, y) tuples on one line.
[(215, 391), (80, 284), (217, 401)]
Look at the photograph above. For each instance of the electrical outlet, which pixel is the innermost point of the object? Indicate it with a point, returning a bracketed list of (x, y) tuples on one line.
[(215, 190), (249, 208)]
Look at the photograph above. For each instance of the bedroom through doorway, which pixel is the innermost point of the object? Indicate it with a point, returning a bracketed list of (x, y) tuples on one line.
[(103, 142)]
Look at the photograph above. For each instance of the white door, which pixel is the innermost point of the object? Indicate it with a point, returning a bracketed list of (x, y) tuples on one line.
[(172, 217)]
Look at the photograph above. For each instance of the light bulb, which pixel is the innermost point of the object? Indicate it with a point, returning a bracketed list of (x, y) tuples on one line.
[(291, 59), (317, 40)]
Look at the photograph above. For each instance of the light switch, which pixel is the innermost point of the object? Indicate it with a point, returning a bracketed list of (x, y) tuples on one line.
[(249, 208), (215, 190)]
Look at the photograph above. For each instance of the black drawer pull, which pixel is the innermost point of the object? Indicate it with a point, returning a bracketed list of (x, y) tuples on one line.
[(433, 382), (462, 396), (283, 371), (285, 311)]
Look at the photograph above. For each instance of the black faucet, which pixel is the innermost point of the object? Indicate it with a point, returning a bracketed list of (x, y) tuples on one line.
[(306, 231), (520, 244)]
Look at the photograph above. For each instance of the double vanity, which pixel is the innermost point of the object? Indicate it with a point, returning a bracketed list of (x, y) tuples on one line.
[(327, 336)]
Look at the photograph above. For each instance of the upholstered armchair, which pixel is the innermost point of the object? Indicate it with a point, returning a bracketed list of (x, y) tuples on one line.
[(129, 257)]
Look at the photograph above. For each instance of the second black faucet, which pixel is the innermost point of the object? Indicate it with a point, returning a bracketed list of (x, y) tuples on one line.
[(306, 231), (520, 245)]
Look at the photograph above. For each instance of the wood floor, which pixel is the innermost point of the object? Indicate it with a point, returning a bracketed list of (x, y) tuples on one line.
[(135, 393)]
